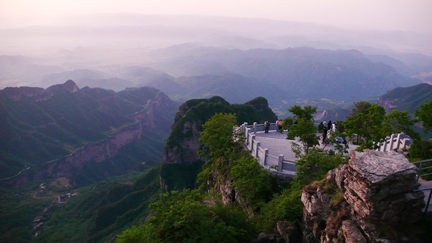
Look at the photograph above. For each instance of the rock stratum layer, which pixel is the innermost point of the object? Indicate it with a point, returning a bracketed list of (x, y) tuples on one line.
[(371, 199)]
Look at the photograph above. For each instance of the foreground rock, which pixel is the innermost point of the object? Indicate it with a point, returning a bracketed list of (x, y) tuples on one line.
[(369, 200)]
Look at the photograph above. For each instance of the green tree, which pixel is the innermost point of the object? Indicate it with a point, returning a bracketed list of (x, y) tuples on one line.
[(424, 114), (314, 167), (369, 126), (183, 217), (218, 140), (306, 113), (287, 122), (400, 121), (361, 107), (303, 128), (227, 161), (251, 182)]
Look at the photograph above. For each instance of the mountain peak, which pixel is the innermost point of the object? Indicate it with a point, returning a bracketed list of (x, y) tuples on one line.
[(68, 87)]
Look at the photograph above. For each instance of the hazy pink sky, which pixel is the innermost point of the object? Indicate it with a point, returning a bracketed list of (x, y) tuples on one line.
[(415, 15)]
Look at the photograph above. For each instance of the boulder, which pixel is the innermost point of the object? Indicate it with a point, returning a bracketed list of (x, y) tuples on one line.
[(375, 194)]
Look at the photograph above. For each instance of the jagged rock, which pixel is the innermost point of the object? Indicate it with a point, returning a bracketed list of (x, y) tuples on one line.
[(351, 232), (377, 189), (379, 182)]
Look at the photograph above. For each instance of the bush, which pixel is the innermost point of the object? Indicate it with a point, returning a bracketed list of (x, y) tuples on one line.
[(183, 217)]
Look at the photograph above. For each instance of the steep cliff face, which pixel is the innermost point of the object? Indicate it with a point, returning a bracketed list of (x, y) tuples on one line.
[(369, 200), (181, 150), (387, 104), (183, 143), (335, 115), (60, 131)]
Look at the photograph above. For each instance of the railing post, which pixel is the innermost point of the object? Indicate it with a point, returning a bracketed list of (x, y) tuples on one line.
[(391, 142), (252, 139), (255, 127), (398, 141), (385, 146), (280, 162), (257, 144), (266, 151)]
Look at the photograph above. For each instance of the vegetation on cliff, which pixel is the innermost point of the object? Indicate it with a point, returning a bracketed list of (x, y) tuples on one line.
[(59, 122), (198, 111), (233, 177), (180, 153)]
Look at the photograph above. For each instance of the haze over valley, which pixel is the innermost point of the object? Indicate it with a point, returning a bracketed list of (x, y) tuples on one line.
[(103, 103)]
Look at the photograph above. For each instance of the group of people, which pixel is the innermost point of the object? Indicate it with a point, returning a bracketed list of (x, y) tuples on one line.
[(323, 126), (267, 126), (329, 127)]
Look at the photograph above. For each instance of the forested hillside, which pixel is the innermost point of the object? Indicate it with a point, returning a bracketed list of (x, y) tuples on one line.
[(85, 134)]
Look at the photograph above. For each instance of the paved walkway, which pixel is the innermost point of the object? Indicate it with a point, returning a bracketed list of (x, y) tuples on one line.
[(278, 144)]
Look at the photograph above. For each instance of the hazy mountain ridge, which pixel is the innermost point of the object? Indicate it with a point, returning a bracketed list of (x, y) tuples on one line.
[(64, 129), (348, 75), (408, 98), (402, 99)]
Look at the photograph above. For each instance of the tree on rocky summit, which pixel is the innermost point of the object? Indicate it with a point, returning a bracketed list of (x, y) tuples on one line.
[(369, 126), (424, 114), (401, 121), (303, 128)]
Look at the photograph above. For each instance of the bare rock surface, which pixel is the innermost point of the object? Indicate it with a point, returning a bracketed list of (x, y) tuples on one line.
[(374, 196)]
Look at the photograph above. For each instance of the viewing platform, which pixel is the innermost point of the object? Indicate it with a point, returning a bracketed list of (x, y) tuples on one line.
[(273, 151)]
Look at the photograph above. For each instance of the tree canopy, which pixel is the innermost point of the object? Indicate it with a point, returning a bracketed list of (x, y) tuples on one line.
[(424, 114), (369, 126), (303, 128)]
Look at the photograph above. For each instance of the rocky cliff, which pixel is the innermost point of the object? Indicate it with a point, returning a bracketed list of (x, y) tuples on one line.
[(183, 143), (181, 150), (65, 131), (369, 200)]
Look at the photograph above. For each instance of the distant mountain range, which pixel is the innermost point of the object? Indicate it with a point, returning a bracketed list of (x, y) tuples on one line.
[(327, 78), (402, 99), (67, 131), (293, 72), (409, 98)]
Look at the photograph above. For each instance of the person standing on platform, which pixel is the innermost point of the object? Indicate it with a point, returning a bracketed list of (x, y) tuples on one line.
[(266, 126), (324, 134)]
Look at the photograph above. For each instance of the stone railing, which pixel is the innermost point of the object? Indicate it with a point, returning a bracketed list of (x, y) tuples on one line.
[(263, 155), (396, 141)]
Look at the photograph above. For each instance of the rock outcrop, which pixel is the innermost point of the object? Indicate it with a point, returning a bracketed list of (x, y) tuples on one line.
[(183, 143), (371, 199)]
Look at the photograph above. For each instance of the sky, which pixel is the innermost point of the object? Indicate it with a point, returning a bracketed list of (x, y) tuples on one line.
[(405, 15)]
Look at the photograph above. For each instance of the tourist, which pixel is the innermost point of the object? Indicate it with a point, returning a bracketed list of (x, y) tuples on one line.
[(329, 125), (320, 127), (279, 125), (266, 126), (324, 134)]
